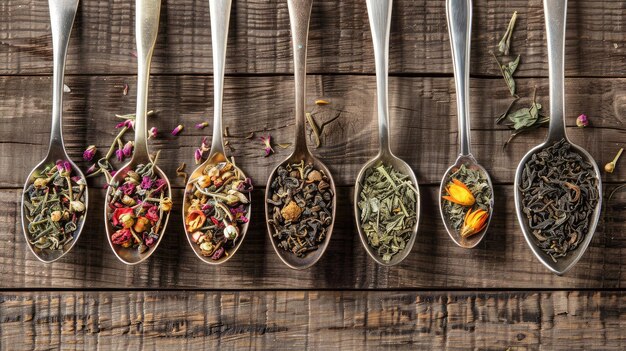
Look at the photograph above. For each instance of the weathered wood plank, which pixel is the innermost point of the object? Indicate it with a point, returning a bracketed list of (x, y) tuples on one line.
[(348, 320), (103, 38), (501, 261), (423, 121)]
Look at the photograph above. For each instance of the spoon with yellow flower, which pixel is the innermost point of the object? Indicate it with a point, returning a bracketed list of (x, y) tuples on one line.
[(466, 193)]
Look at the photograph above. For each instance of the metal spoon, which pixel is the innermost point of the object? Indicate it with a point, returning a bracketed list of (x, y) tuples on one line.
[(220, 15), (62, 13), (146, 30), (299, 17), (459, 16), (555, 16), (380, 20)]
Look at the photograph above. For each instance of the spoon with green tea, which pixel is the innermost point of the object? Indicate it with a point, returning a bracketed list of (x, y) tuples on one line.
[(217, 188), (466, 192), (54, 201), (146, 30), (387, 217)]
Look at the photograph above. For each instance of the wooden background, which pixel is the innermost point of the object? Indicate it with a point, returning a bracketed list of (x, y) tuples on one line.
[(496, 296)]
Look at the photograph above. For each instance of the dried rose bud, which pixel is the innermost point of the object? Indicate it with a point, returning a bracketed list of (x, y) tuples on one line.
[(128, 149), (231, 232), (89, 153), (127, 220), (128, 201), (119, 154), (202, 125), (142, 224), (77, 206), (55, 216), (197, 156), (166, 204), (177, 130), (582, 121)]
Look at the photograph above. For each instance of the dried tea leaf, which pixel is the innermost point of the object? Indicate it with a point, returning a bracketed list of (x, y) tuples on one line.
[(250, 136), (505, 44), (314, 128), (284, 145)]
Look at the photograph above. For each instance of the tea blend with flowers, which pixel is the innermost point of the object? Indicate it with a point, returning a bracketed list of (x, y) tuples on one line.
[(218, 207), (55, 205), (137, 206), (559, 191), (388, 209), (300, 203), (468, 201)]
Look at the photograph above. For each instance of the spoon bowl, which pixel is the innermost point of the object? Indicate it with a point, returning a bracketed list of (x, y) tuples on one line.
[(386, 158), (49, 256), (62, 14), (312, 257), (132, 256), (471, 241)]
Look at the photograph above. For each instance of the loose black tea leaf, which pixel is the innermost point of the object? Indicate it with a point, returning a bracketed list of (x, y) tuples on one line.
[(217, 208), (505, 44), (559, 193), (54, 205), (459, 203), (301, 205), (388, 209)]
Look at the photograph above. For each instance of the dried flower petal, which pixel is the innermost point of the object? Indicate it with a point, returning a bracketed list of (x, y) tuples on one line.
[(195, 220), (582, 121), (459, 193), (267, 141), (152, 133), (89, 153), (91, 169), (146, 182), (177, 130), (474, 222)]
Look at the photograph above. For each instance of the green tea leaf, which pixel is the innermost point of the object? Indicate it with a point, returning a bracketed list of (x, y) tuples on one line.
[(505, 44)]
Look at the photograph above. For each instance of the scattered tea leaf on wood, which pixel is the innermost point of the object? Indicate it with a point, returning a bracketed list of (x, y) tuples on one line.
[(507, 71), (388, 204), (314, 128), (559, 192), (505, 44), (300, 205)]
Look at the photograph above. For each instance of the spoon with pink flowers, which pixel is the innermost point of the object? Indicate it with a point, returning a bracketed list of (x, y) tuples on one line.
[(138, 199), (54, 201), (216, 204)]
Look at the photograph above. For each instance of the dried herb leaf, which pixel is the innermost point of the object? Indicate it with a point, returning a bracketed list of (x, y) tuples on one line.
[(505, 44), (314, 128)]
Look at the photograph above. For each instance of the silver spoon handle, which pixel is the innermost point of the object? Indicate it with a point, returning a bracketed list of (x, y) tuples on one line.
[(380, 21), (459, 16), (146, 30), (299, 18), (555, 15), (220, 17), (62, 13)]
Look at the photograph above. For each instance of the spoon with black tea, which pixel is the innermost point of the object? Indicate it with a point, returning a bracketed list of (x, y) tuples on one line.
[(216, 204), (300, 195), (466, 192), (557, 183), (54, 201), (138, 196), (387, 241)]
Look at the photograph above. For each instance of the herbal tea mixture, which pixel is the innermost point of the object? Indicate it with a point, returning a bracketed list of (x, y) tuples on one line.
[(559, 192), (388, 209), (218, 206), (54, 205), (137, 207), (300, 204), (468, 203)]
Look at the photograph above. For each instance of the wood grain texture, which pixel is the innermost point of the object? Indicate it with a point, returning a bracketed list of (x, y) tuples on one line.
[(423, 121), (313, 320), (501, 261), (103, 38)]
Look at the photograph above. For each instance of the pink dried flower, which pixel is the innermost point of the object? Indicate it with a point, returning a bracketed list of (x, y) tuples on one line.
[(267, 141), (582, 121), (202, 125), (177, 130), (204, 145), (197, 156), (129, 123), (128, 149), (91, 169), (152, 133), (146, 182), (89, 153), (119, 153)]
